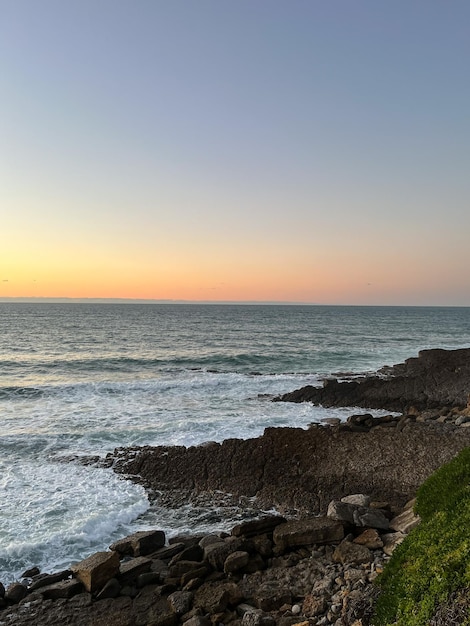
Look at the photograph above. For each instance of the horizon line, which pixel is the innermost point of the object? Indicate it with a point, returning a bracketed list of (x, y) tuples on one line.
[(71, 300)]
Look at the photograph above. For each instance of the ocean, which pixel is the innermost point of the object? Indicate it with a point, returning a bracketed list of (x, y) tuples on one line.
[(82, 379)]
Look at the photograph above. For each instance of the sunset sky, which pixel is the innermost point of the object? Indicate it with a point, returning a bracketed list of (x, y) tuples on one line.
[(311, 151)]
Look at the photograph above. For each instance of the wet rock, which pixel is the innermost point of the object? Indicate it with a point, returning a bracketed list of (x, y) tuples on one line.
[(29, 573), (15, 592), (95, 571)]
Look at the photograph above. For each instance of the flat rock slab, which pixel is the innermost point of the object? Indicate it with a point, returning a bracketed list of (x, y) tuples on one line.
[(306, 532), (258, 526)]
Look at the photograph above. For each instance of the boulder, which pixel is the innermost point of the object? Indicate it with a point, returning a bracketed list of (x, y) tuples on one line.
[(215, 597), (236, 561), (130, 570), (314, 605), (349, 553), (141, 543), (42, 580), (305, 532), (359, 499), (15, 592), (95, 571), (391, 541), (180, 601), (258, 526)]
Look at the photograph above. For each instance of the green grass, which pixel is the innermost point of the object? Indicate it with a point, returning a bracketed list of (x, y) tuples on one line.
[(434, 560)]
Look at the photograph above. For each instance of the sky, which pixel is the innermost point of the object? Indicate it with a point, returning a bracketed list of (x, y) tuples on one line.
[(311, 151)]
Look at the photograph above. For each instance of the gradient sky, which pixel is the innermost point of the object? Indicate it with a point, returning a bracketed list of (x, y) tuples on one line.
[(295, 150)]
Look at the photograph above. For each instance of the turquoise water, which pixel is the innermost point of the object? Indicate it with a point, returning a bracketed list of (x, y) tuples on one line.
[(80, 379)]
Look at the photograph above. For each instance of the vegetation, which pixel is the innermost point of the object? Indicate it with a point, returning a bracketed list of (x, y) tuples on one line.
[(433, 563)]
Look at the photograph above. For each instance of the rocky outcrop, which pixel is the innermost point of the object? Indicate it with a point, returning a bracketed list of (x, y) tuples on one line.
[(435, 379), (302, 470), (266, 572)]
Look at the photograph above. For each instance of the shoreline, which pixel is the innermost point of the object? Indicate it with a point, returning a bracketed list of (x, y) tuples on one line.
[(298, 472)]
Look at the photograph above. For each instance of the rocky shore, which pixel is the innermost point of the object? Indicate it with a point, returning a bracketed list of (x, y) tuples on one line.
[(342, 491)]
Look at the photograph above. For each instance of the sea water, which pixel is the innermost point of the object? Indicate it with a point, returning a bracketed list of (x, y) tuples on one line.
[(82, 379)]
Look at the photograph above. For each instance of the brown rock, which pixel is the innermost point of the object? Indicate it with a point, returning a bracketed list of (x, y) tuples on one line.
[(236, 561), (95, 571), (391, 541), (370, 538), (130, 570), (405, 521), (351, 553), (215, 597), (62, 589), (305, 532), (314, 605)]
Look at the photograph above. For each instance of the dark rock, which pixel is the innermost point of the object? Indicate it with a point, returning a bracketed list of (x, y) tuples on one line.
[(63, 589), (258, 526), (148, 578), (141, 543), (198, 620), (41, 580), (111, 590), (130, 570), (15, 592), (191, 553), (29, 573), (180, 601), (2, 590), (168, 552), (436, 378), (236, 561)]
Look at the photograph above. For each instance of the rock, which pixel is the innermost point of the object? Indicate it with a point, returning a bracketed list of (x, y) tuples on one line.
[(180, 601), (168, 552), (15, 592), (258, 526), (41, 580), (111, 589), (2, 590), (351, 553), (359, 499), (141, 543), (198, 620), (305, 532), (198, 573), (314, 605), (391, 541), (182, 567), (63, 589), (191, 553), (130, 570), (148, 578), (270, 597), (370, 538), (29, 573), (216, 553), (257, 618), (357, 515), (95, 571), (373, 518), (236, 561), (405, 521), (214, 597)]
